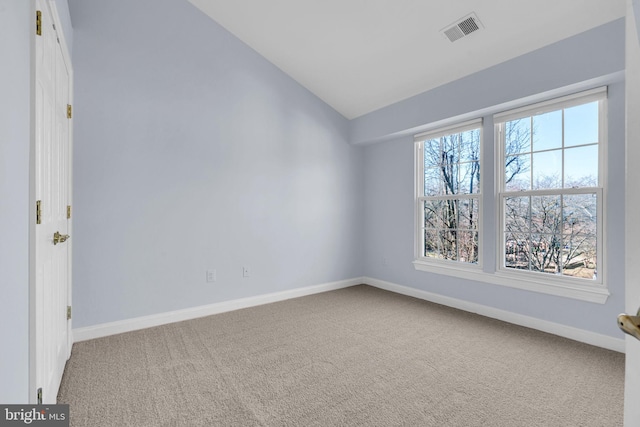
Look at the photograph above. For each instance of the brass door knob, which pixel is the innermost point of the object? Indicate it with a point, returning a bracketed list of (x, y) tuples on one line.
[(59, 238), (630, 324)]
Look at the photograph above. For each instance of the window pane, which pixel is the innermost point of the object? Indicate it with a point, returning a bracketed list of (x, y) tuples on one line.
[(579, 234), (581, 124), (469, 178), (581, 166), (546, 214), (432, 153), (433, 214), (451, 164), (517, 214), (450, 149), (517, 172), (547, 170), (579, 256), (547, 131), (468, 214), (468, 246), (433, 185), (545, 253), (470, 146), (449, 248), (450, 178), (450, 214), (432, 244), (516, 247), (518, 136), (579, 213)]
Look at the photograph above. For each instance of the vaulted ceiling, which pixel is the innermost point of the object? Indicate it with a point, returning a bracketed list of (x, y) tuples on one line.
[(362, 55)]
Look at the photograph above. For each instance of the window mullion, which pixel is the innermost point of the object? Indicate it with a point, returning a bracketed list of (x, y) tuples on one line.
[(562, 165), (531, 153)]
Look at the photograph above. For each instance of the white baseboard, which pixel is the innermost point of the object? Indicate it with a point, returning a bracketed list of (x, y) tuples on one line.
[(112, 328), (593, 338)]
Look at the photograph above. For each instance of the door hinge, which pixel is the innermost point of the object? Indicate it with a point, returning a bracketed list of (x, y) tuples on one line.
[(68, 312), (68, 211), (38, 22), (38, 212), (69, 111), (39, 396)]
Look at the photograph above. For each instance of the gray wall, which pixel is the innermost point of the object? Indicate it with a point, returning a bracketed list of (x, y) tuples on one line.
[(15, 135), (194, 152), (65, 20), (389, 180), (582, 57), (636, 13)]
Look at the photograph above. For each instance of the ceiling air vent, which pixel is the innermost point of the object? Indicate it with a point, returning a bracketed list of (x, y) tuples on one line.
[(463, 27)]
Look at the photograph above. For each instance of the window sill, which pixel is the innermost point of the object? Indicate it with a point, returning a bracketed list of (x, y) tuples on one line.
[(586, 292)]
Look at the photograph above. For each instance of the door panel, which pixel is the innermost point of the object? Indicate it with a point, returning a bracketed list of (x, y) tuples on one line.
[(52, 187)]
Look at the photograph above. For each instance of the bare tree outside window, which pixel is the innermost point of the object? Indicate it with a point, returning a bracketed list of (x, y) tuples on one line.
[(551, 201), (546, 190), (451, 188)]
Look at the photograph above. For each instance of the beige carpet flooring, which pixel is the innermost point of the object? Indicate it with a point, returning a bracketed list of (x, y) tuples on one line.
[(354, 357)]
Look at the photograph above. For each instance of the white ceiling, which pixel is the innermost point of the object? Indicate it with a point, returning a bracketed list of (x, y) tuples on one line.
[(362, 55)]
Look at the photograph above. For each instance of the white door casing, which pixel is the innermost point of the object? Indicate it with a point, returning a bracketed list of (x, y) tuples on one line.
[(52, 176), (632, 211)]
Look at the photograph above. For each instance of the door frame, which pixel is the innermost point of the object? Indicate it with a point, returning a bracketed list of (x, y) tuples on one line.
[(632, 208), (51, 4)]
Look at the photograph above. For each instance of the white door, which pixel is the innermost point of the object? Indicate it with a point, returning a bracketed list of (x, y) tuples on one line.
[(632, 210), (53, 191)]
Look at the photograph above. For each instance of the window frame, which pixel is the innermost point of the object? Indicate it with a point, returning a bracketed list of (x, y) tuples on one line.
[(566, 283), (486, 271), (422, 262)]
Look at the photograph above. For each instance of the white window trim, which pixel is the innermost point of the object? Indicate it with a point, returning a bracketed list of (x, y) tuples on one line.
[(590, 292), (433, 264), (596, 290)]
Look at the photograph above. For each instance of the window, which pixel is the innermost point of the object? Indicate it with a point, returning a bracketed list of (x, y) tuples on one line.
[(448, 195), (550, 189), (543, 204)]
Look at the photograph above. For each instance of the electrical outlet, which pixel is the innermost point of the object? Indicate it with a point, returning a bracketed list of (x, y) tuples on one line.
[(211, 276), (246, 272)]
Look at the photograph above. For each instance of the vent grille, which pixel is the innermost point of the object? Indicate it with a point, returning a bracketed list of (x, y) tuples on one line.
[(454, 33), (463, 27), (468, 26)]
